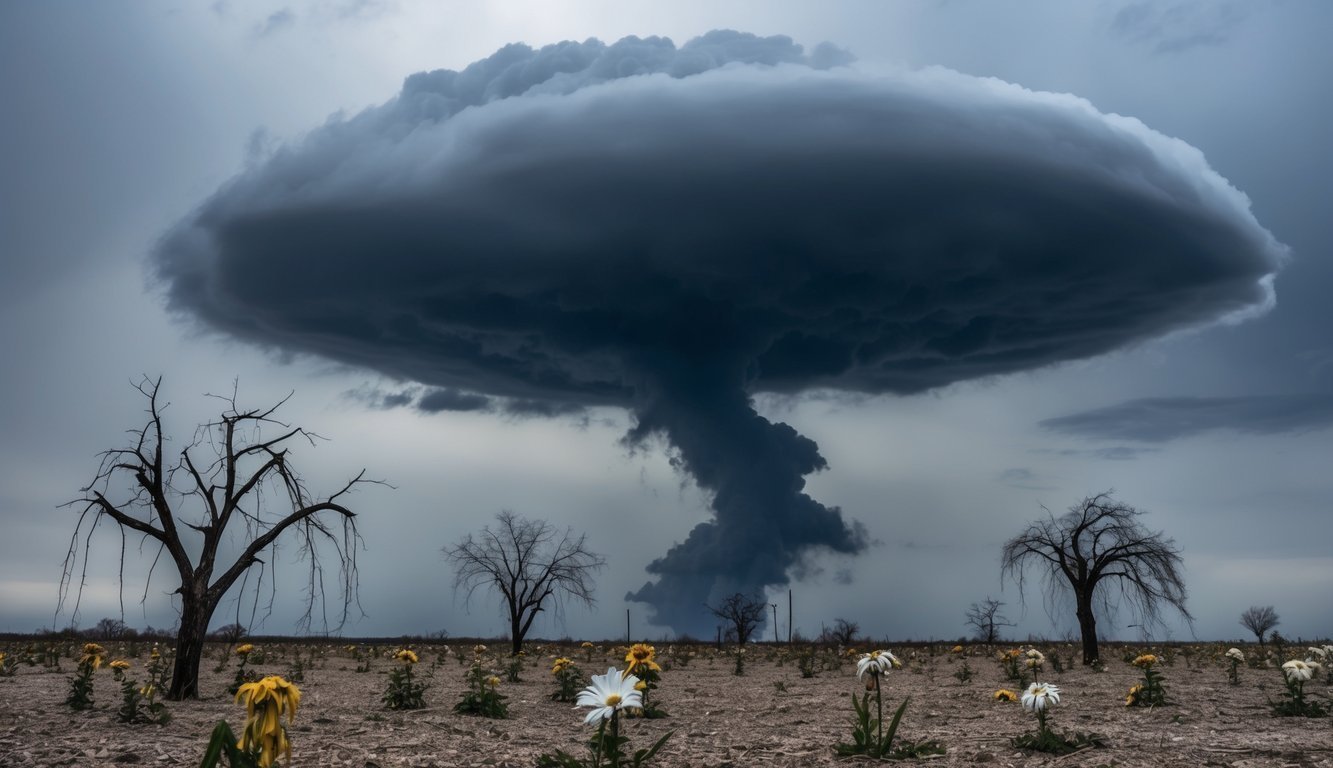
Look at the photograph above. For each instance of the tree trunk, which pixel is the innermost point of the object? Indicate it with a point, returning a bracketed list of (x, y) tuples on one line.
[(195, 614), (515, 636), (1087, 625)]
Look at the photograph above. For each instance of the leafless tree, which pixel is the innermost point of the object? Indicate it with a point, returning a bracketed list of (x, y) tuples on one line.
[(985, 619), (843, 632), (217, 489), (530, 563), (744, 614), (1259, 619), (229, 633), (1099, 551), (110, 629)]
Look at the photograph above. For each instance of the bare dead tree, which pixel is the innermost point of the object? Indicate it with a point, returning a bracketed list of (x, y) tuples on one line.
[(744, 614), (985, 620), (1101, 553), (1259, 619), (530, 563), (219, 488), (843, 633)]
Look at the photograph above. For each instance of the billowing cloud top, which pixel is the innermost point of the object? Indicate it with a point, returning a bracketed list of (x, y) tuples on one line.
[(670, 229)]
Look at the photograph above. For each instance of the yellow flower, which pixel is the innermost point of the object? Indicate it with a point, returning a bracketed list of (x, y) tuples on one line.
[(147, 690), (479, 649), (586, 644), (1133, 695), (957, 649), (406, 656), (1145, 661), (117, 664), (641, 686), (493, 681), (244, 649), (640, 656), (560, 665), (92, 656), (1005, 694), (265, 703)]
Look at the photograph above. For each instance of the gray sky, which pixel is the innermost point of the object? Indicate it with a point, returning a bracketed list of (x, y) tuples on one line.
[(1075, 304)]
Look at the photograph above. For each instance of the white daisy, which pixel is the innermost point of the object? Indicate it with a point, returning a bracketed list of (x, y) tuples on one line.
[(1039, 696), (1297, 670), (608, 694), (876, 662)]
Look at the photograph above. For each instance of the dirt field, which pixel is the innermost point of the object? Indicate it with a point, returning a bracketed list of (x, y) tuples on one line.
[(770, 716)]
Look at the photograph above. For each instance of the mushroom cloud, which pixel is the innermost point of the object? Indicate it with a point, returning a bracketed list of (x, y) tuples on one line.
[(671, 230)]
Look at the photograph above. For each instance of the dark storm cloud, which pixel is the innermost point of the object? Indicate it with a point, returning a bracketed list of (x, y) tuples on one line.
[(450, 399), (1160, 419), (671, 230), (1176, 26)]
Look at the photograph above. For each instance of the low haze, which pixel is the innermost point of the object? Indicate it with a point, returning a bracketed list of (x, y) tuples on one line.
[(758, 297)]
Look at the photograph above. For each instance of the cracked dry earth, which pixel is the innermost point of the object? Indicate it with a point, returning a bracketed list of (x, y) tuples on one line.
[(771, 716)]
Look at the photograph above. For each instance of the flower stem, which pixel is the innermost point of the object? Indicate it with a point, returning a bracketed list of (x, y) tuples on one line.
[(879, 715), (597, 750)]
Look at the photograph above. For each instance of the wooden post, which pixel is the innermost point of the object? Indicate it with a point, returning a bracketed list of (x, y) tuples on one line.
[(789, 617)]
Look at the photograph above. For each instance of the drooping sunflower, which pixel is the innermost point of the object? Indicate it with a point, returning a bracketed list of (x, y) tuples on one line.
[(640, 657), (266, 702)]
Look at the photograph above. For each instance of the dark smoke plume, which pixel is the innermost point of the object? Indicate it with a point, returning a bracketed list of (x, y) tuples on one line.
[(671, 230)]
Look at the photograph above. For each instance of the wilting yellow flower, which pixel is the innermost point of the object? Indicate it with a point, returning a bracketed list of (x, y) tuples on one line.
[(155, 654), (479, 649), (1004, 694), (147, 690), (120, 664), (560, 665), (493, 681), (1145, 661), (641, 686), (406, 656), (265, 703), (640, 657), (957, 649), (244, 649), (1133, 695), (92, 655), (585, 644)]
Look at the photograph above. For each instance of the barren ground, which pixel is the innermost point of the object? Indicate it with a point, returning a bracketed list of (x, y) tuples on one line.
[(771, 716)]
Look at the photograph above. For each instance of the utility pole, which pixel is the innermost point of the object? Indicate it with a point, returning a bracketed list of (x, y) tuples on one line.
[(776, 640), (627, 636), (788, 616)]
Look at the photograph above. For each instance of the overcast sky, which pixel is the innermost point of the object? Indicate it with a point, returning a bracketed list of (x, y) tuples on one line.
[(758, 295)]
